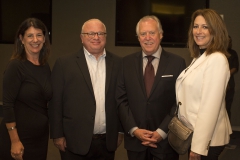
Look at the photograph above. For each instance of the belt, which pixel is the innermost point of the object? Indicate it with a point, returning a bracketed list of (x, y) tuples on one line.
[(98, 136)]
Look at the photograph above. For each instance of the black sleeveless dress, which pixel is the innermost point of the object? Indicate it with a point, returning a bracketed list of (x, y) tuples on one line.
[(26, 92)]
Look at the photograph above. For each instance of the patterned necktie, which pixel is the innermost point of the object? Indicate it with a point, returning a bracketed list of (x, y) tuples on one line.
[(149, 75)]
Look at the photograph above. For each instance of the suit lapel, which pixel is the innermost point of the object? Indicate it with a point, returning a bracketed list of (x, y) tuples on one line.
[(164, 61), (82, 63), (161, 67), (109, 66), (195, 63), (138, 62)]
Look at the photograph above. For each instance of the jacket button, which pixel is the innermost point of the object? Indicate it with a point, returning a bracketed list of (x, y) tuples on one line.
[(180, 103)]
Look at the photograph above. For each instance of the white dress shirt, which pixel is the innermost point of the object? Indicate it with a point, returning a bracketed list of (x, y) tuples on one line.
[(97, 70)]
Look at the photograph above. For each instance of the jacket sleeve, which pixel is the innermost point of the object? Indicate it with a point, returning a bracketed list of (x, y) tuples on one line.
[(12, 80), (55, 105), (124, 110)]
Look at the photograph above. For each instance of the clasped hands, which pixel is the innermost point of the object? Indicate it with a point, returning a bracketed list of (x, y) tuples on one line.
[(148, 138)]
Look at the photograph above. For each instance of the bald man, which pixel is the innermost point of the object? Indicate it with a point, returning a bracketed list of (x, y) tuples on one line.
[(83, 118)]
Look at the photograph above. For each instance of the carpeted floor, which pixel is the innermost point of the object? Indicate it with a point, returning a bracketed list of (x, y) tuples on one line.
[(235, 139)]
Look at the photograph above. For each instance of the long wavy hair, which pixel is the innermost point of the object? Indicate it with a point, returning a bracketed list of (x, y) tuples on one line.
[(217, 29)]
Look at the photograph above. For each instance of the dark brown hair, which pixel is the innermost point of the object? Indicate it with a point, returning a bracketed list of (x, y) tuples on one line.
[(19, 51), (217, 29)]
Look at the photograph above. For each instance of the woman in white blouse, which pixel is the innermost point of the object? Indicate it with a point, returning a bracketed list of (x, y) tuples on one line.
[(201, 88)]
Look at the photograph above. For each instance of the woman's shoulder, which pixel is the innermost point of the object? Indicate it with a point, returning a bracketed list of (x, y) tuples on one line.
[(14, 68), (15, 62), (217, 59), (218, 55)]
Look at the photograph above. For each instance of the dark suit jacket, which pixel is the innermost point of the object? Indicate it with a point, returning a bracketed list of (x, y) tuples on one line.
[(72, 108), (135, 109)]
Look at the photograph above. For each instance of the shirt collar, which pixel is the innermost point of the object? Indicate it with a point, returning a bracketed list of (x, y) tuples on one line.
[(90, 55), (157, 54)]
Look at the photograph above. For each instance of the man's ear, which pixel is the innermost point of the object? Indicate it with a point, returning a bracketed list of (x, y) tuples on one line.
[(81, 37)]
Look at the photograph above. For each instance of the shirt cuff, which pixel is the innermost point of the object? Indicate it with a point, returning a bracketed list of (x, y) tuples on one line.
[(162, 133), (132, 130)]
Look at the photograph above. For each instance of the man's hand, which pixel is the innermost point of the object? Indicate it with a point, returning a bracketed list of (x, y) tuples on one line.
[(120, 139), (194, 156), (144, 135), (60, 143), (155, 137)]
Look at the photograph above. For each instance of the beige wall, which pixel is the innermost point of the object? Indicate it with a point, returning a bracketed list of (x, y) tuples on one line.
[(68, 17)]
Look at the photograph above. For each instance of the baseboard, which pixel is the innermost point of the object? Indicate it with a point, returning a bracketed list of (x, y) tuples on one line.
[(236, 128)]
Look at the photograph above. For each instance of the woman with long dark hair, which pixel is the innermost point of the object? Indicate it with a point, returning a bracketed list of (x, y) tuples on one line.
[(26, 91)]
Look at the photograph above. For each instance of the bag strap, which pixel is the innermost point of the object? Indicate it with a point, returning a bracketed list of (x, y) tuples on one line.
[(176, 112)]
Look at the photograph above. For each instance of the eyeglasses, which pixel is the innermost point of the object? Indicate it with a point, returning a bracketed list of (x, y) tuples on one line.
[(92, 34), (144, 34)]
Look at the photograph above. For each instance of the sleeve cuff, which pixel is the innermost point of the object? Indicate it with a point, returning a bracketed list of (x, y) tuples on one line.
[(162, 133), (132, 130)]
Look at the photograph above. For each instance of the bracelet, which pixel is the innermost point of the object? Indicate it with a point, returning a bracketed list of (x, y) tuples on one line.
[(12, 128)]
